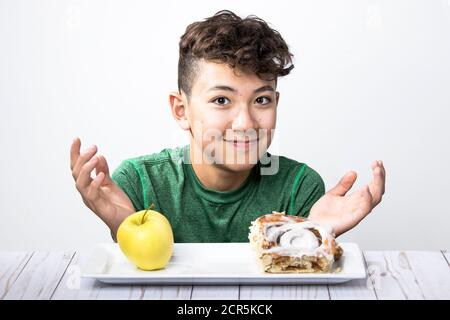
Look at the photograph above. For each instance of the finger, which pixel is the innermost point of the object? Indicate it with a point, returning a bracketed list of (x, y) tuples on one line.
[(377, 185), (381, 165), (345, 184), (363, 202), (102, 166), (383, 172), (382, 168), (94, 188), (379, 180), (374, 164), (84, 178), (82, 159), (74, 152), (378, 164), (366, 201)]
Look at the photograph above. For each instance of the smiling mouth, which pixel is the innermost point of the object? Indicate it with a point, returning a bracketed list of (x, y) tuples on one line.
[(242, 141), (243, 144)]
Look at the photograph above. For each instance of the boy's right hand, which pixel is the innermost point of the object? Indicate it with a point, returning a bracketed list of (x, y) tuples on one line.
[(107, 200)]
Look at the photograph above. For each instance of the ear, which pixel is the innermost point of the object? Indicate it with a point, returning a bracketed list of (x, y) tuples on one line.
[(278, 97), (178, 106)]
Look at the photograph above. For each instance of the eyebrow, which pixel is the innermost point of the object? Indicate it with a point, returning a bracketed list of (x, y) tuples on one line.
[(227, 88)]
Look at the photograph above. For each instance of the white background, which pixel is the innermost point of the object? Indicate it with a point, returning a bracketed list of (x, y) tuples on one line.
[(372, 81)]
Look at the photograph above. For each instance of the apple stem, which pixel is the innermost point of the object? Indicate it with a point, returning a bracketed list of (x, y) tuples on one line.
[(150, 207)]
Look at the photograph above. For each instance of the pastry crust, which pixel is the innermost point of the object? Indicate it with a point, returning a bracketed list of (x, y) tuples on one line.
[(291, 244)]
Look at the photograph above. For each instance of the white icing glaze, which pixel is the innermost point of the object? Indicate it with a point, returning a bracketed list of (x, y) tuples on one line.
[(295, 238), (299, 238)]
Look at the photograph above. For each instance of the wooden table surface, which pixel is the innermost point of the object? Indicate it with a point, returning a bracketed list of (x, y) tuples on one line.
[(392, 275)]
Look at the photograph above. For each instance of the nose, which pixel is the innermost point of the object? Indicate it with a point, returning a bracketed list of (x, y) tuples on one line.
[(243, 120)]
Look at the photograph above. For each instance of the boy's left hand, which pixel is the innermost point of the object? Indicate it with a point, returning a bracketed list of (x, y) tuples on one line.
[(343, 212)]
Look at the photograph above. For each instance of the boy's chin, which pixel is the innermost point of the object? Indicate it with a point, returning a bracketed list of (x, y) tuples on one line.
[(236, 167)]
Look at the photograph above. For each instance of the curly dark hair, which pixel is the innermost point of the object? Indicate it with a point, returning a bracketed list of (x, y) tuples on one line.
[(248, 45)]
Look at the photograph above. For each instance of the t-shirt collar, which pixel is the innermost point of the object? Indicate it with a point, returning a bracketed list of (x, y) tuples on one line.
[(220, 197)]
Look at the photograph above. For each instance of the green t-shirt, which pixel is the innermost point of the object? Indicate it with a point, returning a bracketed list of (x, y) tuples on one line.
[(198, 214)]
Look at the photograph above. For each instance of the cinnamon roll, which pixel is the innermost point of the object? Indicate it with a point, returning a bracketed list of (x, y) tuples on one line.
[(291, 244)]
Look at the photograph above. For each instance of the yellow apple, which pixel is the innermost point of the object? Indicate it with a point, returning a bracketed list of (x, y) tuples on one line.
[(146, 239)]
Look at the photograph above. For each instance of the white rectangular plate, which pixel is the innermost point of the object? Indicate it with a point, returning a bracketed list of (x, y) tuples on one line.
[(212, 263)]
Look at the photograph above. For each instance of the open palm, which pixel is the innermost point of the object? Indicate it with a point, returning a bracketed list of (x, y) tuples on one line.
[(343, 212)]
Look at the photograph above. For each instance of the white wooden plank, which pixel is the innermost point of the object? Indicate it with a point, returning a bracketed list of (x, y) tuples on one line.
[(446, 254), (401, 275), (11, 265), (143, 292), (167, 292), (294, 292), (73, 287), (432, 273), (40, 276), (212, 292), (390, 281), (355, 290), (352, 290), (410, 275), (120, 292)]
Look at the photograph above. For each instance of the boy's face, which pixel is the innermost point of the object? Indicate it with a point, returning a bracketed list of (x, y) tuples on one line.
[(231, 116)]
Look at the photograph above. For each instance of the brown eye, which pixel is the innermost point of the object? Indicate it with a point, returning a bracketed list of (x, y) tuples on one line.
[(263, 100), (221, 101)]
